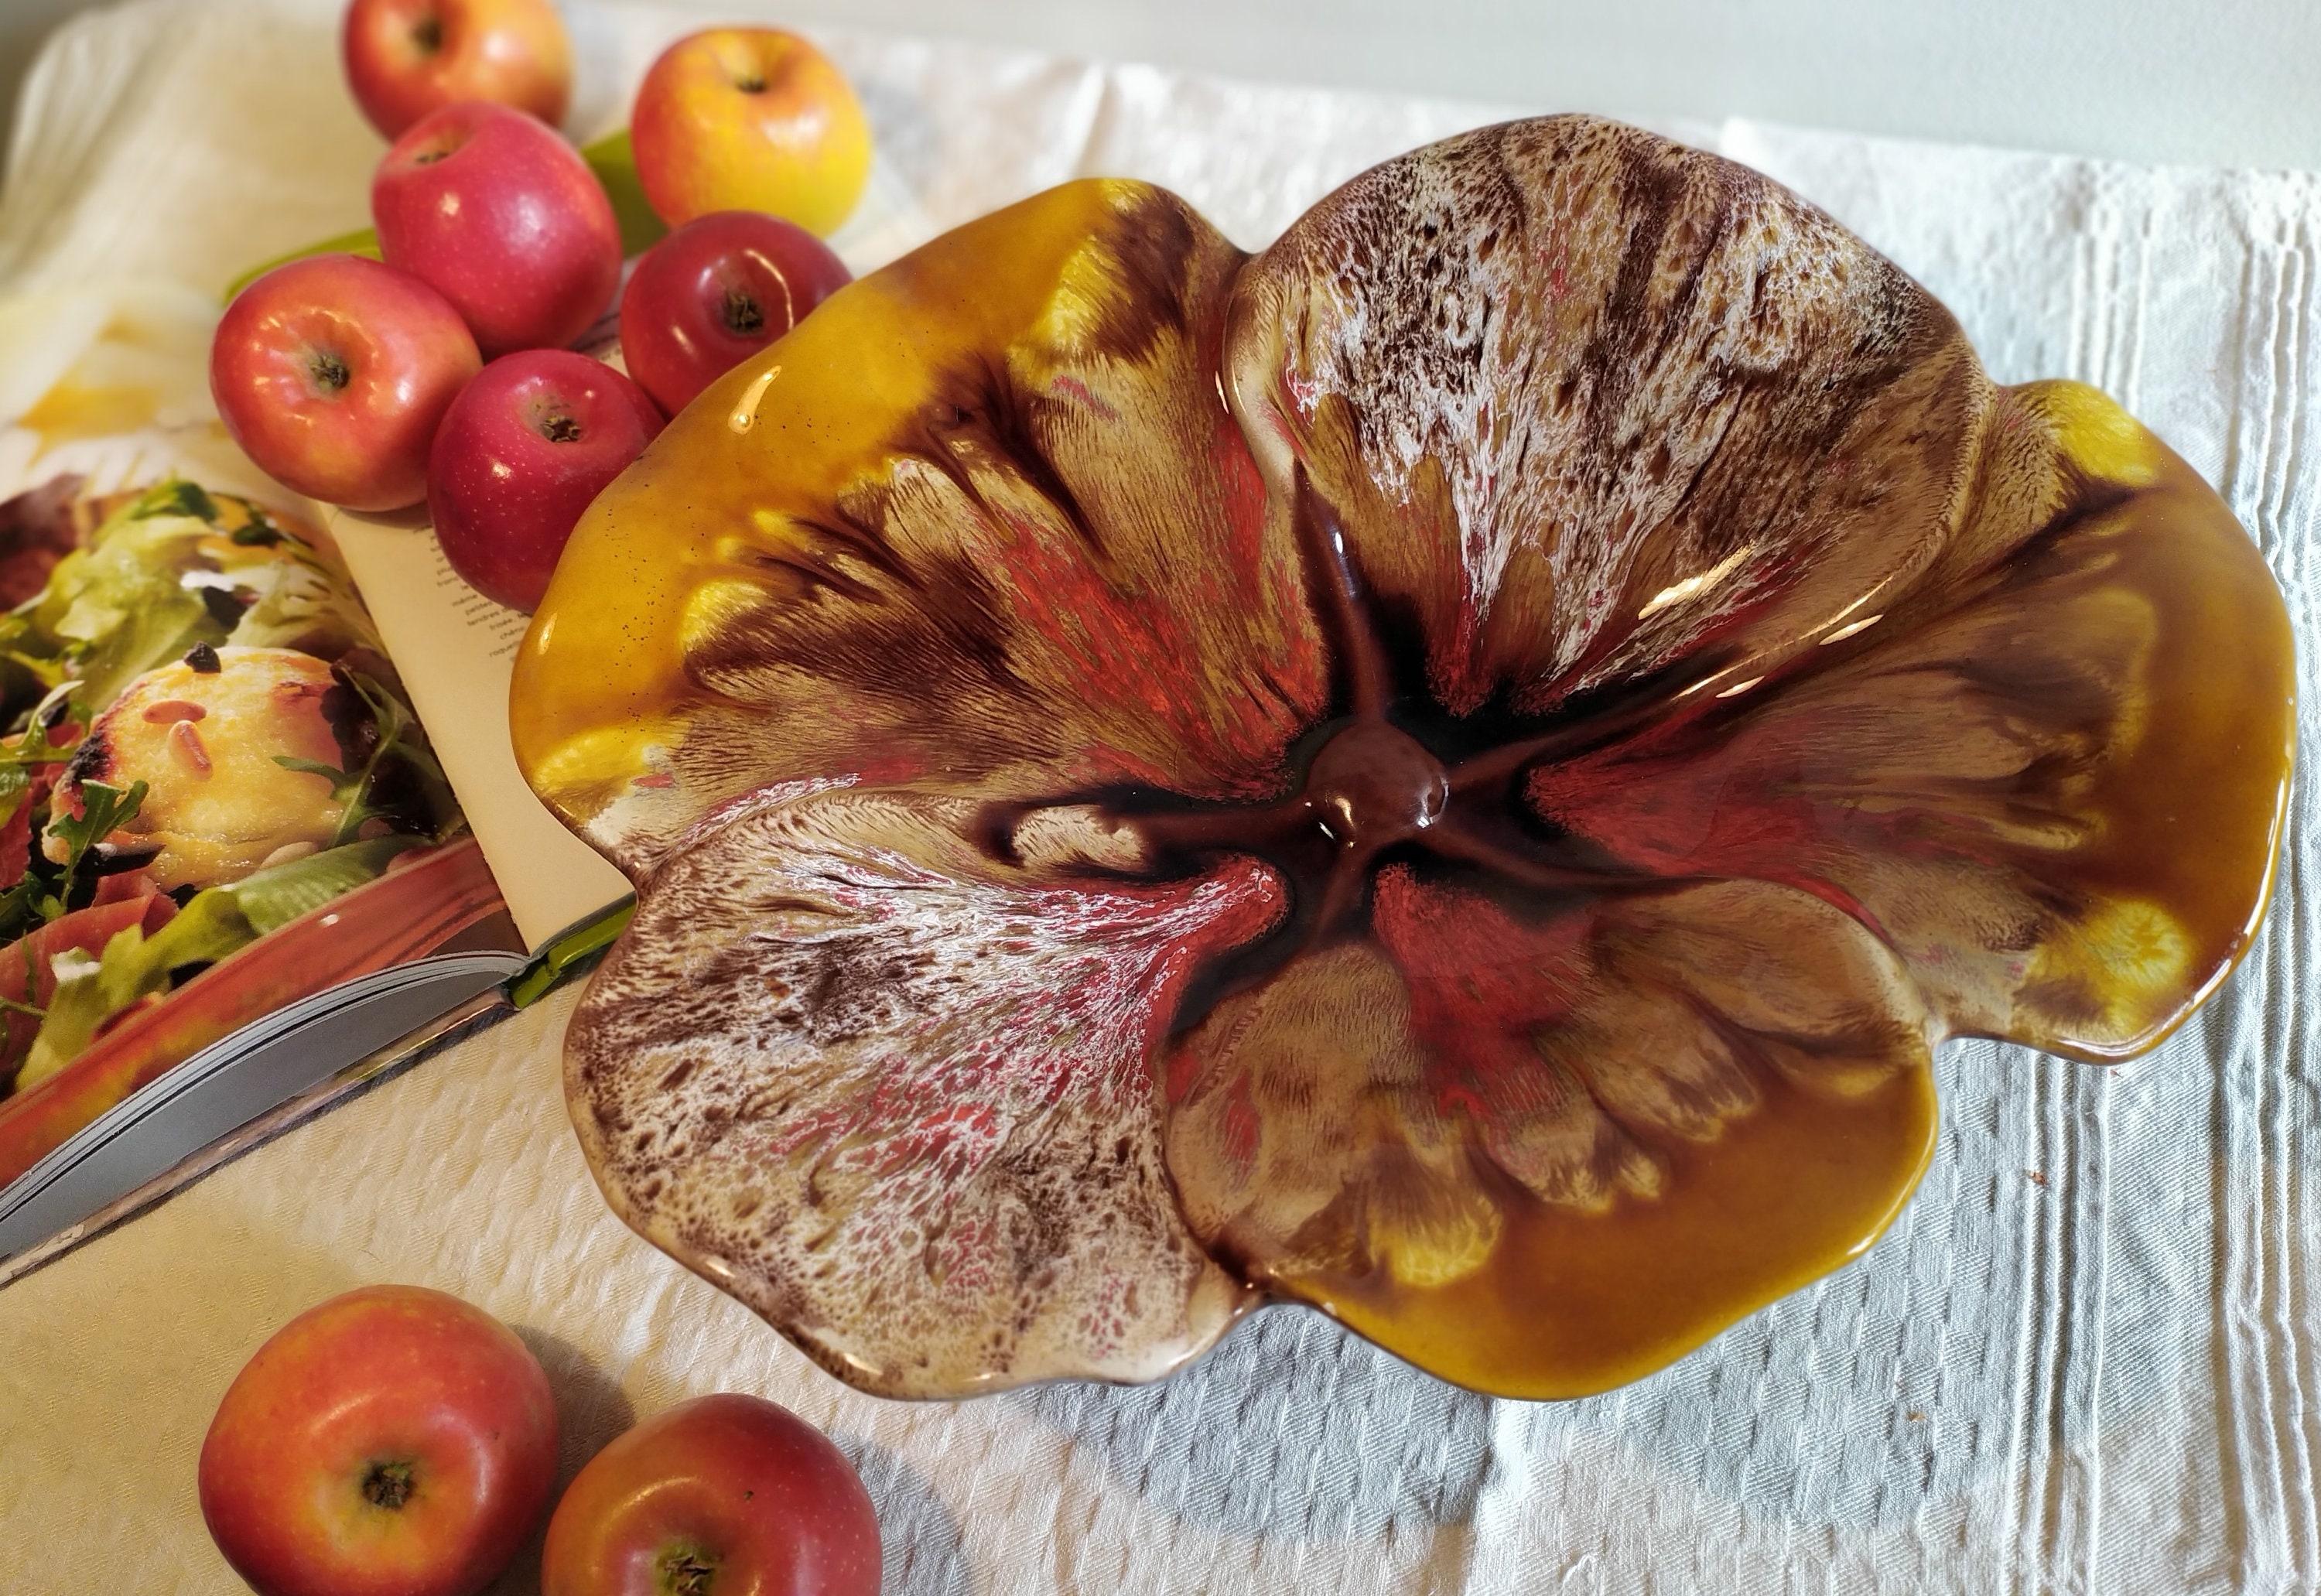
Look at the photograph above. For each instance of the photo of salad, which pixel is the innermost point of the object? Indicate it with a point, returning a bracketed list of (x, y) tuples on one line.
[(204, 743)]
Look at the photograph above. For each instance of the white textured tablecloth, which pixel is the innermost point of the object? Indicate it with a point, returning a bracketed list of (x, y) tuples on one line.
[(2085, 1358)]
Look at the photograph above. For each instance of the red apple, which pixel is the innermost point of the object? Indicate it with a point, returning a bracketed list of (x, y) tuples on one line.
[(716, 292), (750, 119), (497, 213), (405, 57), (723, 1493), (394, 1439), (522, 451), (332, 373)]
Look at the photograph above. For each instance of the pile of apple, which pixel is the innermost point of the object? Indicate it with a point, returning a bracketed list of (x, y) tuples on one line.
[(364, 382), (397, 1440)]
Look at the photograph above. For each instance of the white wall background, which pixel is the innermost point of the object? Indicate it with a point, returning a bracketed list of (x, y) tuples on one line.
[(2215, 82)]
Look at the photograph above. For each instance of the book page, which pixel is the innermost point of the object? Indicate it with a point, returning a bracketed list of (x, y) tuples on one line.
[(456, 651)]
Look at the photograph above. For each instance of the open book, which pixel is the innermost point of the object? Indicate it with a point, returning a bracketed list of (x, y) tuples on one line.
[(250, 749), (108, 437)]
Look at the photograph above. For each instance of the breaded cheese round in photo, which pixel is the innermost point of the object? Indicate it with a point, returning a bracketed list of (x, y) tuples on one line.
[(205, 741)]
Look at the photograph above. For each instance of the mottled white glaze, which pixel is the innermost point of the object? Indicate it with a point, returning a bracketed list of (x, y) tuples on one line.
[(1561, 374), (897, 1098)]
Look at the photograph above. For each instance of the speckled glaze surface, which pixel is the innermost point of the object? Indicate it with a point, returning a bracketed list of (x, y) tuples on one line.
[(1455, 769)]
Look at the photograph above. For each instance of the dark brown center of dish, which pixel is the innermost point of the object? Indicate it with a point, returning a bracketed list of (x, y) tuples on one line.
[(1373, 784), (1390, 781)]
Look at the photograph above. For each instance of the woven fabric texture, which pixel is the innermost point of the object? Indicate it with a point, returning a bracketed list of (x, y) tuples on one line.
[(2087, 1358)]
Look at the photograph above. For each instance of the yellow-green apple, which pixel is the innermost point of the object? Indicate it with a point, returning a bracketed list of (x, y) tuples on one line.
[(405, 57), (750, 119), (332, 373), (523, 450), (497, 213), (716, 292), (395, 1439), (723, 1493)]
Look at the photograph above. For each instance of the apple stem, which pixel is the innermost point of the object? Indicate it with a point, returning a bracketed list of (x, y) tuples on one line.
[(387, 1485), (428, 34), (745, 316), (751, 85), (688, 1573)]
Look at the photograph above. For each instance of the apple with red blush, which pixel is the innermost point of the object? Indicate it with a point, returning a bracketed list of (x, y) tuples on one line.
[(726, 1493), (405, 57), (523, 450), (332, 372), (394, 1439), (492, 209), (750, 119), (716, 292)]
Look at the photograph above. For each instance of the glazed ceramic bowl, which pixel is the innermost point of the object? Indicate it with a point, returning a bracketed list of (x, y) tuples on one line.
[(1456, 771)]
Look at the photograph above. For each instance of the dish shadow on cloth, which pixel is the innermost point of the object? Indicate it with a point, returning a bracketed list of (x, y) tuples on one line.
[(591, 1409), (1290, 1429), (919, 1540)]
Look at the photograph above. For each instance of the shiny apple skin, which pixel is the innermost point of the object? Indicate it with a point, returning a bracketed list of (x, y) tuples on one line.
[(796, 145), (688, 313), (383, 1375), (493, 209), (399, 355), (511, 52), (521, 455), (733, 1481)]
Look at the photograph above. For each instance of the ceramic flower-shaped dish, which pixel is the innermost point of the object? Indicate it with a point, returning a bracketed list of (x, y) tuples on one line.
[(1454, 770)]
